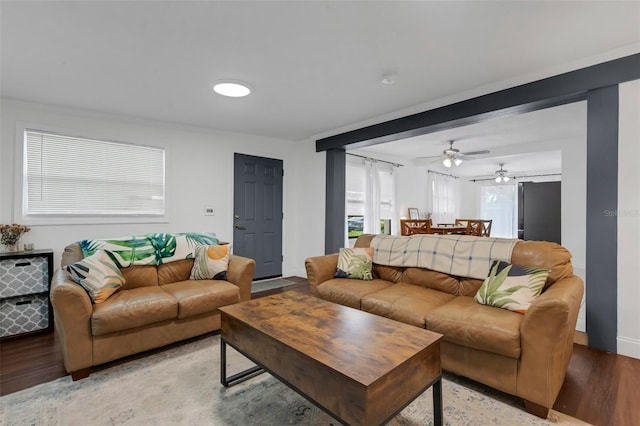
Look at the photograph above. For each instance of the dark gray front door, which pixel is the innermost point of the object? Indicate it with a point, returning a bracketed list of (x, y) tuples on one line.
[(257, 208)]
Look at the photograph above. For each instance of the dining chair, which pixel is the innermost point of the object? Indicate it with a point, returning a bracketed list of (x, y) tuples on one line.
[(413, 226)]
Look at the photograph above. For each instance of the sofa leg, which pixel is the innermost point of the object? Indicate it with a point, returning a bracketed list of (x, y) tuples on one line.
[(80, 374), (536, 409)]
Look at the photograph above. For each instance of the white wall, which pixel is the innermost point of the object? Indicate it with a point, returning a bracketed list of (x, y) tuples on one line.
[(199, 173), (628, 214), (574, 211)]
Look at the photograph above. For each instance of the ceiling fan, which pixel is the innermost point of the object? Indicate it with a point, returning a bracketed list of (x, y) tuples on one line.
[(502, 175), (450, 156)]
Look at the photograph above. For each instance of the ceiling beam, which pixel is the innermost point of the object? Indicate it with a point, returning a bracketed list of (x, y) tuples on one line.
[(552, 91)]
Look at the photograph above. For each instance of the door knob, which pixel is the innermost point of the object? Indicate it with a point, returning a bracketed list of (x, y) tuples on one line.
[(237, 216), (238, 226)]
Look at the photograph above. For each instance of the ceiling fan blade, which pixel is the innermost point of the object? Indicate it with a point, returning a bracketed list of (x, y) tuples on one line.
[(423, 161), (476, 152)]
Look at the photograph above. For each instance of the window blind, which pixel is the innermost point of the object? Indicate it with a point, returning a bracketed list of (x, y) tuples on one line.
[(71, 176)]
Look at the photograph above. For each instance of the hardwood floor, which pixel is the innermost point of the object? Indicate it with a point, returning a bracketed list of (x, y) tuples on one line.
[(600, 388)]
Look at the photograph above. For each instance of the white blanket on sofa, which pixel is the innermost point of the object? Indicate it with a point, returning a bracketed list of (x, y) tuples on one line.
[(459, 255)]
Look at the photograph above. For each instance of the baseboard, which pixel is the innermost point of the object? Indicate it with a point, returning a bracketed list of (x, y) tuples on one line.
[(581, 338), (629, 347)]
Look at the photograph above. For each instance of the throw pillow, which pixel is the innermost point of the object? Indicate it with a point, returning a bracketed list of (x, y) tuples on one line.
[(210, 262), (511, 287), (355, 263), (98, 275)]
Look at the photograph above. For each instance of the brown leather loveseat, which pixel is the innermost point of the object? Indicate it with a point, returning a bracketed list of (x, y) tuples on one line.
[(523, 355), (156, 306)]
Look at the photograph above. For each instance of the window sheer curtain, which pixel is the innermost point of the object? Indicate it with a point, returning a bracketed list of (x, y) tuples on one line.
[(443, 197), (371, 192), (372, 198), (499, 203)]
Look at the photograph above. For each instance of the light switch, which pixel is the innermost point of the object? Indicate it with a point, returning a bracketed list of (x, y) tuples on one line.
[(209, 211)]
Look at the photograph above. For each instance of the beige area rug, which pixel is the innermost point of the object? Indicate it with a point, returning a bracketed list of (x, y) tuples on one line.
[(181, 386)]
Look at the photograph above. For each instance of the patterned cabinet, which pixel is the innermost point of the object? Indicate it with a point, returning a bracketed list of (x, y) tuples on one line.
[(24, 292)]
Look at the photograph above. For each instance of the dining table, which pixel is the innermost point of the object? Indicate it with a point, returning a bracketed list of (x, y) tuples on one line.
[(443, 230)]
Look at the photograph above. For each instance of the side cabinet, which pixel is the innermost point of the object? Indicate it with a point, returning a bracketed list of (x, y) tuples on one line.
[(25, 279)]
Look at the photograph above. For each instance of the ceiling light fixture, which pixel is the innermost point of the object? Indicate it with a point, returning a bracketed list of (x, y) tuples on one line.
[(232, 89), (502, 175), (448, 162)]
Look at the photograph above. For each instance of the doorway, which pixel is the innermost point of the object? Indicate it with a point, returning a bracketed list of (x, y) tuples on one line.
[(257, 212)]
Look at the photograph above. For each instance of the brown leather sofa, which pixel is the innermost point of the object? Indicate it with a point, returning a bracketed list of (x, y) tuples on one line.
[(156, 306), (523, 355)]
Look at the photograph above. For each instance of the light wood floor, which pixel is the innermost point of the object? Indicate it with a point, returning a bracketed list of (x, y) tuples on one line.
[(600, 388)]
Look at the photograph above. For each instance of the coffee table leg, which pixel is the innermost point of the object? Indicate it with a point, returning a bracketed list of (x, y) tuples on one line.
[(236, 378), (437, 402)]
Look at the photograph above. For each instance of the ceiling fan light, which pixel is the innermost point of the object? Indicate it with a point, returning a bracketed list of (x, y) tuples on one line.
[(447, 162), (505, 179), (457, 161), (498, 179)]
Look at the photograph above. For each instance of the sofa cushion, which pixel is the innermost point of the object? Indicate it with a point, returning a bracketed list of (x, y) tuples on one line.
[(355, 263), (467, 323), (140, 276), (172, 272), (544, 254), (133, 308), (211, 262), (404, 302), (197, 297), (349, 292), (511, 287), (98, 275), (431, 279)]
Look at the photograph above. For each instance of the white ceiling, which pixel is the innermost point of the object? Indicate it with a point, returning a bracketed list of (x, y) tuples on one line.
[(315, 67), (525, 143)]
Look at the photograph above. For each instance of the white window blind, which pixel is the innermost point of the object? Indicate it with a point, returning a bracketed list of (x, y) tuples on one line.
[(71, 176)]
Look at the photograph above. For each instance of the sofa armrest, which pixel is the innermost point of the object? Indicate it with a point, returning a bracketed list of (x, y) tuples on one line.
[(320, 269), (240, 272), (547, 333), (72, 316)]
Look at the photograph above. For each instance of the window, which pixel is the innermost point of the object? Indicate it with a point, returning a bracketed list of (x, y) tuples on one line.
[(498, 202), (370, 196), (72, 177)]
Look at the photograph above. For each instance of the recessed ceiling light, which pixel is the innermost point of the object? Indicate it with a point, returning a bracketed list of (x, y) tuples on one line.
[(233, 89), (389, 78)]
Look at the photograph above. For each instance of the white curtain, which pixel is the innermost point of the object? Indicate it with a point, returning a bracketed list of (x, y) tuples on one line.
[(443, 198), (370, 194), (372, 198), (499, 203)]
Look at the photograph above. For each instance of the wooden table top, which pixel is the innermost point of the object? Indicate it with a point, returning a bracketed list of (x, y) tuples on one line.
[(357, 344), (448, 229)]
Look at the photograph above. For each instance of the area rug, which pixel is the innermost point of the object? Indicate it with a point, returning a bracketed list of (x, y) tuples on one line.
[(258, 286), (181, 386)]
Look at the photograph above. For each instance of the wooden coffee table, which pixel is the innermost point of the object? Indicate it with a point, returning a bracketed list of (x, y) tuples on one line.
[(360, 368)]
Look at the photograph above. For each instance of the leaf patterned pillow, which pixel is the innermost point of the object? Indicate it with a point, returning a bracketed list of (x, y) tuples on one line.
[(98, 275), (511, 287), (210, 262), (355, 263)]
